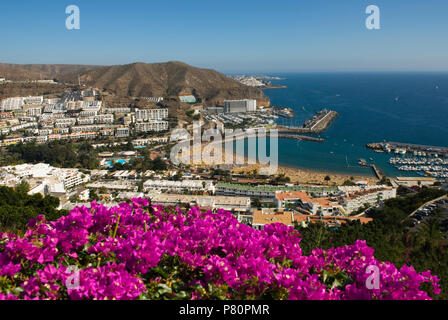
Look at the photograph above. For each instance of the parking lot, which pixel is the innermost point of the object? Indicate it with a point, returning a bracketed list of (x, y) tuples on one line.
[(429, 210)]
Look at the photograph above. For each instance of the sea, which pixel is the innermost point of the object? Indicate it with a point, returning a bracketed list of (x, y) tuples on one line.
[(373, 107)]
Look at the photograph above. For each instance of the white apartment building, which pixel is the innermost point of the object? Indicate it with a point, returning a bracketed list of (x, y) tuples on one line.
[(117, 110), (33, 111), (61, 130), (27, 118), (179, 186), (11, 104), (55, 108), (108, 132), (239, 204), (43, 176), (85, 121), (104, 118), (91, 105), (65, 123), (155, 126), (72, 178), (33, 100), (151, 114), (88, 128), (355, 200), (23, 126), (45, 132), (122, 132), (88, 113), (306, 204)]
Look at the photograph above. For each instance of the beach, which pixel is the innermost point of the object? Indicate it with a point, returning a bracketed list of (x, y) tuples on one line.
[(309, 177), (242, 165)]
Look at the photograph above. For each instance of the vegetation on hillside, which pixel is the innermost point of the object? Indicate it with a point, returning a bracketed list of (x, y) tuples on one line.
[(56, 153), (17, 208), (389, 234)]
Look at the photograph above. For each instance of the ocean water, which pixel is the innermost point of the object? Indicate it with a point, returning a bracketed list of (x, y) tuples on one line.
[(372, 107)]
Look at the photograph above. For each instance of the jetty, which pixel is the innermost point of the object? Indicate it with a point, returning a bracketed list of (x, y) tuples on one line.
[(377, 172), (317, 124), (300, 137)]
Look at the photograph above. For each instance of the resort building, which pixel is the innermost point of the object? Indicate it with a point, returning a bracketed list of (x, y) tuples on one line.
[(42, 177), (178, 186), (234, 204), (302, 202), (355, 200), (240, 106), (266, 191)]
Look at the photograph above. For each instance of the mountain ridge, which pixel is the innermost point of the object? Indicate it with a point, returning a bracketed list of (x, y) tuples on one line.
[(141, 79)]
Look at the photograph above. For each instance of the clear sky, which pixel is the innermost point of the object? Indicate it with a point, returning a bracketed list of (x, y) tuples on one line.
[(230, 35)]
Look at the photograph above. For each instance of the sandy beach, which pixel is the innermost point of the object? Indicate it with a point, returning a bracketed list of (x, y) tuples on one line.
[(310, 177), (297, 175)]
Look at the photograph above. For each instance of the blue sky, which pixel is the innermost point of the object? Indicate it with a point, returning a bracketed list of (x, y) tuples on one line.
[(231, 35)]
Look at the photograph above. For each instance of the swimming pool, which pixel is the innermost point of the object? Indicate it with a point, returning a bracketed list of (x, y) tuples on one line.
[(110, 164)]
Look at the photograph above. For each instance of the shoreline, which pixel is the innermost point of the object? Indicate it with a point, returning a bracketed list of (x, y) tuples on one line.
[(242, 164), (307, 176)]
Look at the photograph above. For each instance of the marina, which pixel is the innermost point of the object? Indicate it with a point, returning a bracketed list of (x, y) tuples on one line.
[(408, 148), (433, 167), (428, 161)]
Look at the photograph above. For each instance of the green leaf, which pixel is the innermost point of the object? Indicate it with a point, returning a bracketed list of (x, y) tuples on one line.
[(164, 289)]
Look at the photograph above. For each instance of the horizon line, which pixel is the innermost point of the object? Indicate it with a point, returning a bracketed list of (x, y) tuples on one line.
[(245, 71)]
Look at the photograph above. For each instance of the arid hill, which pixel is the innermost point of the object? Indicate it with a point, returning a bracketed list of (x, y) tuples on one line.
[(143, 80), (23, 72)]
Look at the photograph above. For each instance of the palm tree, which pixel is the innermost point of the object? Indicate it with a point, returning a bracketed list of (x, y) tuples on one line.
[(430, 230)]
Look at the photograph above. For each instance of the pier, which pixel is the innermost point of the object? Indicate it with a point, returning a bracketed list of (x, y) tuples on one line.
[(317, 124), (300, 137), (377, 172)]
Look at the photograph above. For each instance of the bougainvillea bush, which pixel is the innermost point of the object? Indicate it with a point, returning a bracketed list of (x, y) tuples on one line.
[(139, 251)]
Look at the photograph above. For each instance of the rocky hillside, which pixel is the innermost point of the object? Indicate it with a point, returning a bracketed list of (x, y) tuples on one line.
[(23, 72), (143, 80)]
